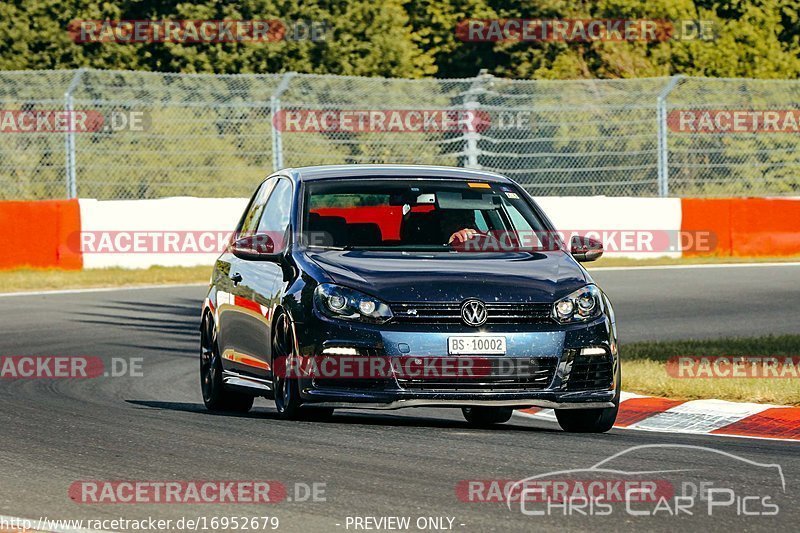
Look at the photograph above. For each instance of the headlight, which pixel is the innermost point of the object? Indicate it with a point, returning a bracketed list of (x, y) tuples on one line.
[(340, 302), (584, 304)]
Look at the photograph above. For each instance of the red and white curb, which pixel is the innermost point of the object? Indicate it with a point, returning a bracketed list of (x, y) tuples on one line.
[(706, 417)]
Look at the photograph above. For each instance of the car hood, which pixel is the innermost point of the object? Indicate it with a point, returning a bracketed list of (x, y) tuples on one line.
[(448, 277)]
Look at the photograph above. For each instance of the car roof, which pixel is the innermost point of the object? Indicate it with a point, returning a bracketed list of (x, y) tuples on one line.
[(323, 172)]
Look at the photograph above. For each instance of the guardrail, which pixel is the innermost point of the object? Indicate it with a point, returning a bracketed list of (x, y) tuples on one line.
[(152, 135)]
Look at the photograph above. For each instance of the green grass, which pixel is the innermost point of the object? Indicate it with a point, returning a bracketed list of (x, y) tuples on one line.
[(47, 279), (644, 370)]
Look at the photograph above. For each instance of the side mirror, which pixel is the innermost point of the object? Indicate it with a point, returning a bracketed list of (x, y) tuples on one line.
[(258, 247), (585, 249)]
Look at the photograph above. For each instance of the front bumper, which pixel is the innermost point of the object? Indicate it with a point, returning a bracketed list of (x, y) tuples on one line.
[(400, 399), (566, 388)]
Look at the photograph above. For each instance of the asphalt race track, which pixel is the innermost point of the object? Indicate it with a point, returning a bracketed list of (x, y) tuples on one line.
[(377, 464), (665, 303)]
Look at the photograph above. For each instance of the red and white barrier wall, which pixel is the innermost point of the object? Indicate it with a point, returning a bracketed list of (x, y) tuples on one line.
[(57, 234)]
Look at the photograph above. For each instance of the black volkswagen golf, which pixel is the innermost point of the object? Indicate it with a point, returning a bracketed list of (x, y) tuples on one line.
[(381, 287)]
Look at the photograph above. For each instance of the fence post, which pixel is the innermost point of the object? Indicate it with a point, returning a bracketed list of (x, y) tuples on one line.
[(275, 107), (472, 136), (663, 149), (69, 140)]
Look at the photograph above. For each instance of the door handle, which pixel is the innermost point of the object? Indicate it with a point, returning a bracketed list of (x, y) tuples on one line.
[(236, 279)]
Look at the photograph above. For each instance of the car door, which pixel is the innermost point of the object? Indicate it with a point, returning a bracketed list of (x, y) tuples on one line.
[(234, 295), (257, 287)]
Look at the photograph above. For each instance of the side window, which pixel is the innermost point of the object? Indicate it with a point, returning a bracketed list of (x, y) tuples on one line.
[(525, 233), (250, 221), (275, 218), (520, 224), (480, 221)]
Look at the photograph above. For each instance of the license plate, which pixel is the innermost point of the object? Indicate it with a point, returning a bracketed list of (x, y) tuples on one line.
[(482, 345)]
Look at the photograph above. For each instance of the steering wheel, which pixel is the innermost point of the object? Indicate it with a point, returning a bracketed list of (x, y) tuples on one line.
[(478, 242)]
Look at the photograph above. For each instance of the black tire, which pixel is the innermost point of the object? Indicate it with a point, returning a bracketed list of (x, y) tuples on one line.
[(215, 396), (286, 390), (487, 416), (590, 420)]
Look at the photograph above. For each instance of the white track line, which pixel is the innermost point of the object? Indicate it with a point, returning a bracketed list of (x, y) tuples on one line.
[(99, 289)]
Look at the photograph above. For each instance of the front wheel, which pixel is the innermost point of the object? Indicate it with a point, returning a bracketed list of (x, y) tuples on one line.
[(286, 390), (589, 420), (487, 416)]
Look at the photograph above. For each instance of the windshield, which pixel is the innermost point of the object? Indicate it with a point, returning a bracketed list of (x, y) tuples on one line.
[(400, 214)]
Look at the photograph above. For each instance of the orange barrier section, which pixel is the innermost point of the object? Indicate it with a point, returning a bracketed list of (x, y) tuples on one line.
[(744, 226), (708, 215), (762, 226), (35, 234)]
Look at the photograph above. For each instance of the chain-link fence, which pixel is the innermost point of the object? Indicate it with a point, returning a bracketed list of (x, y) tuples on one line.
[(218, 135)]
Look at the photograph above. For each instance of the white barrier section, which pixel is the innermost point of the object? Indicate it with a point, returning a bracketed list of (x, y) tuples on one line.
[(191, 223), (109, 228), (625, 225)]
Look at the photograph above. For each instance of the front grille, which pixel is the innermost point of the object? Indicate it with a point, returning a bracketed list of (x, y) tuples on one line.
[(590, 372), (530, 374), (450, 313)]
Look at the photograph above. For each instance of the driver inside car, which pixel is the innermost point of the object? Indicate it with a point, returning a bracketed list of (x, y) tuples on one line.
[(458, 223)]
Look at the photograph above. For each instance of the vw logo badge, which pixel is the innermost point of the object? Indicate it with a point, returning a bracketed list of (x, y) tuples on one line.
[(473, 313)]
